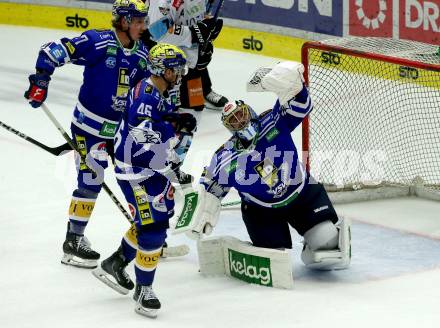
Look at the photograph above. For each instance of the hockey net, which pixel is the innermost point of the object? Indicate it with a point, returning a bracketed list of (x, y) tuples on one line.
[(375, 127)]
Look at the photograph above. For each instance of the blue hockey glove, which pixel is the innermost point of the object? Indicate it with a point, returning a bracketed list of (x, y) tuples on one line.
[(37, 92)]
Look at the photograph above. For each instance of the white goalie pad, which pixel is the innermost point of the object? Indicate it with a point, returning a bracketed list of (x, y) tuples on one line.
[(285, 79), (336, 259), (235, 258), (199, 214)]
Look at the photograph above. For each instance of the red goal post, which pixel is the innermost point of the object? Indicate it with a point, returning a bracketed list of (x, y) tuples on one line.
[(375, 127)]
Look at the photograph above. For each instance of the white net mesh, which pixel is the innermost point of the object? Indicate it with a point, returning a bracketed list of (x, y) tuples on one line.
[(375, 121)]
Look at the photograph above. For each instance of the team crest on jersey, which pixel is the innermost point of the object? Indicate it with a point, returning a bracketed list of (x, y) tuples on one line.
[(268, 172), (110, 62)]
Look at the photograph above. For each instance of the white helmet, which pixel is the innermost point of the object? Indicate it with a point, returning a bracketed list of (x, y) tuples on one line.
[(241, 120)]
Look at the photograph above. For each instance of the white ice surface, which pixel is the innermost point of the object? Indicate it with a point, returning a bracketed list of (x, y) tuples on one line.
[(394, 280)]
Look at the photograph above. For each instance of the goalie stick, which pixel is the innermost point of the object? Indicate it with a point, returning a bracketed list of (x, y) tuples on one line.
[(169, 251), (56, 151)]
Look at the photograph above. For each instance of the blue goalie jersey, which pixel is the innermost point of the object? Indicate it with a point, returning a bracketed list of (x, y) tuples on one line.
[(268, 173), (110, 71)]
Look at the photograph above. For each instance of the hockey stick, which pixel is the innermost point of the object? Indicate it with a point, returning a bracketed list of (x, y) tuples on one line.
[(168, 251), (219, 7), (56, 151), (208, 8), (230, 204), (75, 147)]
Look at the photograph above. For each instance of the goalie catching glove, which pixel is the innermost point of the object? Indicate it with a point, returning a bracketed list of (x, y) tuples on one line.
[(199, 215), (285, 80)]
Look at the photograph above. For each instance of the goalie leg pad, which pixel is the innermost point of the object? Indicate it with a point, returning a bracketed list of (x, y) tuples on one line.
[(322, 236), (238, 259), (331, 259)]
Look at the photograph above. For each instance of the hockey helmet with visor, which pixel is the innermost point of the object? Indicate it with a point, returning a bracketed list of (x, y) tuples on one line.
[(165, 56)]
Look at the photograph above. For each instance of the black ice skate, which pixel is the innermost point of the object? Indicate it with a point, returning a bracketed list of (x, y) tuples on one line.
[(112, 273), (147, 303), (77, 252), (215, 101)]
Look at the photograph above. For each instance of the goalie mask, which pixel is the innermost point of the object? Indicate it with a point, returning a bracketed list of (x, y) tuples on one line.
[(241, 120)]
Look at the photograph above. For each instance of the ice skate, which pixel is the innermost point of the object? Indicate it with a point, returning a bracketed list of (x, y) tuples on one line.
[(112, 273), (147, 303), (77, 252), (215, 101)]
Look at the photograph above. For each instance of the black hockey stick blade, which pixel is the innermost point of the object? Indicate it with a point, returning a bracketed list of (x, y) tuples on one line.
[(56, 151)]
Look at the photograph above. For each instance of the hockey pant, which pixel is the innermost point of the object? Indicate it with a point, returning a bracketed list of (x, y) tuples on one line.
[(151, 204), (95, 151), (195, 86), (269, 227)]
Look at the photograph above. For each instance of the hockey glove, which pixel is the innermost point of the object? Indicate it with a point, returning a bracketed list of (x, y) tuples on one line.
[(37, 92), (216, 31), (285, 80), (205, 55), (204, 30), (206, 214), (182, 122)]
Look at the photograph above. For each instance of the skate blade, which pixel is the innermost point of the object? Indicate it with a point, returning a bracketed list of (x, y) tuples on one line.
[(78, 262), (104, 277), (210, 106), (175, 251), (150, 313)]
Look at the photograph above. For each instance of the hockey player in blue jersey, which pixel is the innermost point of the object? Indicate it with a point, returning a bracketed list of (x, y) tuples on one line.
[(113, 60), (188, 25), (146, 161), (261, 162)]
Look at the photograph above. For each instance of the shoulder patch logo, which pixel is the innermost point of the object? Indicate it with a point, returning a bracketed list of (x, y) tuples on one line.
[(272, 134)]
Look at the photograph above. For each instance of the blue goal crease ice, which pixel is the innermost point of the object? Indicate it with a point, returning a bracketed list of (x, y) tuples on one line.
[(377, 252)]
